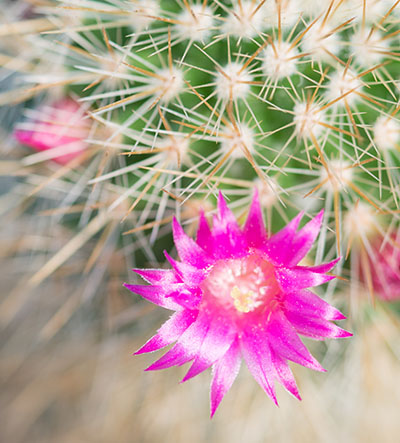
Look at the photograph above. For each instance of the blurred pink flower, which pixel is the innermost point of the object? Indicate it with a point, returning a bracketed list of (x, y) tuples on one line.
[(238, 294), (384, 266), (60, 126)]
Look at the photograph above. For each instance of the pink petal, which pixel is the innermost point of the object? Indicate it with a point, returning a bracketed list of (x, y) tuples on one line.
[(285, 375), (254, 229), (185, 296), (43, 141), (294, 279), (311, 305), (204, 237), (187, 346), (225, 215), (324, 267), (170, 331), (288, 247), (24, 137), (228, 239), (315, 328), (189, 251), (279, 244), (257, 354), (287, 344), (154, 276), (303, 240), (189, 274), (155, 294), (167, 288), (216, 343), (224, 373)]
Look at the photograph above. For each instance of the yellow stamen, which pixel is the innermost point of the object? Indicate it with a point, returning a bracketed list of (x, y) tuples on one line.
[(244, 302)]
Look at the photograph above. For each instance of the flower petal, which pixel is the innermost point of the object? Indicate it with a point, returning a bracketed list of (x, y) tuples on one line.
[(314, 327), (184, 295), (227, 237), (303, 240), (204, 236), (218, 340), (299, 277), (187, 346), (225, 215), (310, 305), (287, 247), (285, 375), (224, 373), (254, 229), (257, 354), (278, 246), (189, 251), (324, 267), (154, 276), (189, 274), (170, 331), (287, 344), (156, 295)]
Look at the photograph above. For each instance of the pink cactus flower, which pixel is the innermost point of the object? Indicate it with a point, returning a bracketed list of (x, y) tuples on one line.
[(61, 127), (384, 267), (238, 294)]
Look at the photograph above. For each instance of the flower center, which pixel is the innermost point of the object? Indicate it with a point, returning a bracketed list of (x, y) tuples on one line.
[(244, 302), (241, 285)]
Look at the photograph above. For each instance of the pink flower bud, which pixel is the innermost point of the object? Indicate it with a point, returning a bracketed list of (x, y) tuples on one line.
[(60, 127)]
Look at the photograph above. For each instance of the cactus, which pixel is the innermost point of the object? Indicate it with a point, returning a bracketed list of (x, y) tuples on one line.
[(176, 101)]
